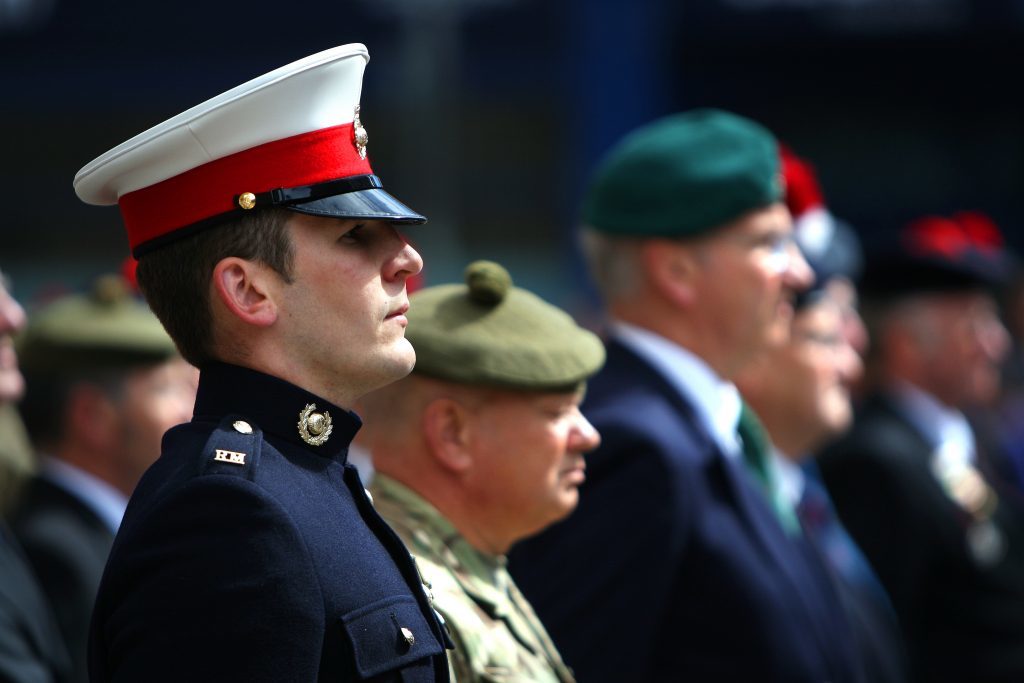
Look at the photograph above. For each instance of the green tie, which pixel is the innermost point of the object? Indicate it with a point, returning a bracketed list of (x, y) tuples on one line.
[(756, 458)]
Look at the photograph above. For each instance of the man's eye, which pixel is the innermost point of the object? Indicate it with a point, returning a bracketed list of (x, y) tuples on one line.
[(354, 234)]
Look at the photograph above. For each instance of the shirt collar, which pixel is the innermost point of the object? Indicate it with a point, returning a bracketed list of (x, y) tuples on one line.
[(107, 502), (944, 427), (789, 478), (717, 402)]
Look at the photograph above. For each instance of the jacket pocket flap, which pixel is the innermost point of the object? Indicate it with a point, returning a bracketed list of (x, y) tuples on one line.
[(389, 634)]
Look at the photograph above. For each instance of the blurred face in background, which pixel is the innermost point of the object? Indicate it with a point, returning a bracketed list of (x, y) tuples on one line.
[(824, 365), (12, 319), (959, 342), (801, 389), (748, 274), (151, 401)]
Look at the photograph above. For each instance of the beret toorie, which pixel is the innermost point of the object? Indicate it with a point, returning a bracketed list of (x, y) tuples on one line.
[(488, 332)]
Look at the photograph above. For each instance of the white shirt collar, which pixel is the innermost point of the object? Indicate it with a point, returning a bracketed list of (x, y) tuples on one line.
[(717, 402), (103, 499), (946, 428), (789, 478)]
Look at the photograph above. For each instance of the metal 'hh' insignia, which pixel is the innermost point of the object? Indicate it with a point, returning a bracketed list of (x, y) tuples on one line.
[(314, 428), (232, 457), (362, 138)]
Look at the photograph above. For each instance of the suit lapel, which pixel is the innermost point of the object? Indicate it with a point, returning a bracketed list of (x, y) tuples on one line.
[(787, 557)]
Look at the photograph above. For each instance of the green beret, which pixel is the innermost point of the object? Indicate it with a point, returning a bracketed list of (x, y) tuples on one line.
[(106, 328), (487, 332), (684, 175)]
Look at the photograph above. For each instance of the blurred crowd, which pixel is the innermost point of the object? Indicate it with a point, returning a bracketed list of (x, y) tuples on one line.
[(791, 452)]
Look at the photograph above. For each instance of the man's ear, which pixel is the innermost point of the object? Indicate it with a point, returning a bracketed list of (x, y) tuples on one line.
[(245, 289), (447, 426), (671, 267)]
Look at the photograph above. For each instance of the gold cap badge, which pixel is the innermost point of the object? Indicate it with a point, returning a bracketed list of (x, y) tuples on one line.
[(314, 428), (361, 137)]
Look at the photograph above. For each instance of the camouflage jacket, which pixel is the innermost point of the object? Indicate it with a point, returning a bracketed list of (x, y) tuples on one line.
[(496, 633)]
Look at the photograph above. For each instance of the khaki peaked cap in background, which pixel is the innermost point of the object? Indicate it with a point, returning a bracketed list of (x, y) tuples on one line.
[(107, 327), (487, 332), (684, 175)]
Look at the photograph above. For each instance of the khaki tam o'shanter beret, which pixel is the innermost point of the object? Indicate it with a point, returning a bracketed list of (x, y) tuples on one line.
[(488, 332), (107, 327), (684, 175)]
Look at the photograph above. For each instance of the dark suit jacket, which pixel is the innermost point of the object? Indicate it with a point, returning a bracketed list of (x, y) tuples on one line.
[(273, 566), (67, 546), (963, 619), (31, 650), (673, 567)]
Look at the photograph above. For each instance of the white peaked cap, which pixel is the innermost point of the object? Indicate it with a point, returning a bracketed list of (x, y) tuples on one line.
[(289, 138)]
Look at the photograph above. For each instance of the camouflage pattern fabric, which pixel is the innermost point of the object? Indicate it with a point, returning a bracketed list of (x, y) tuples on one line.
[(497, 635)]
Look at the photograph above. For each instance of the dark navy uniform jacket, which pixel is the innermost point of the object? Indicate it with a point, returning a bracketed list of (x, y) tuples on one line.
[(278, 569), (963, 614), (674, 567)]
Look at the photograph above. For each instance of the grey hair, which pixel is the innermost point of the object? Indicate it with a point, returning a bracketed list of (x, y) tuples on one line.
[(613, 262)]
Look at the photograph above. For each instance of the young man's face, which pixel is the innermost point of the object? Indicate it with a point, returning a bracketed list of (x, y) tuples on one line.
[(343, 315)]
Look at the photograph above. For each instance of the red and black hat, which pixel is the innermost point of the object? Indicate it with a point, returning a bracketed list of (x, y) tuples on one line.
[(830, 246), (939, 254), (290, 138)]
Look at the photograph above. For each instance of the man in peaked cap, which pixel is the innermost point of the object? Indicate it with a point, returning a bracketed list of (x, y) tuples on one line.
[(480, 447), (910, 480), (104, 384), (269, 250), (676, 566)]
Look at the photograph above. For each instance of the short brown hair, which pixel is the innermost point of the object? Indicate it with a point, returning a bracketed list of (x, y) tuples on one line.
[(175, 278)]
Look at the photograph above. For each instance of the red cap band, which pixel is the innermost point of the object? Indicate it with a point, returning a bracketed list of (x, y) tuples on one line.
[(210, 190)]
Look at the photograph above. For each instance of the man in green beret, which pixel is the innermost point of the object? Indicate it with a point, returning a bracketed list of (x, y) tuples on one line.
[(480, 447), (676, 565), (104, 382)]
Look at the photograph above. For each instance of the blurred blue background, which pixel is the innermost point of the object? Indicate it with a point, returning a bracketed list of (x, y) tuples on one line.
[(487, 115)]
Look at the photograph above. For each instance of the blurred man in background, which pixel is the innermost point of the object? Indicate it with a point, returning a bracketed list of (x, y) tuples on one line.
[(31, 647), (801, 392), (104, 384), (909, 481), (16, 462), (676, 565), (480, 447)]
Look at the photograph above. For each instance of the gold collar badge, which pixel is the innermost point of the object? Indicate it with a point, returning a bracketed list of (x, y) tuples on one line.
[(314, 428), (361, 137)]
